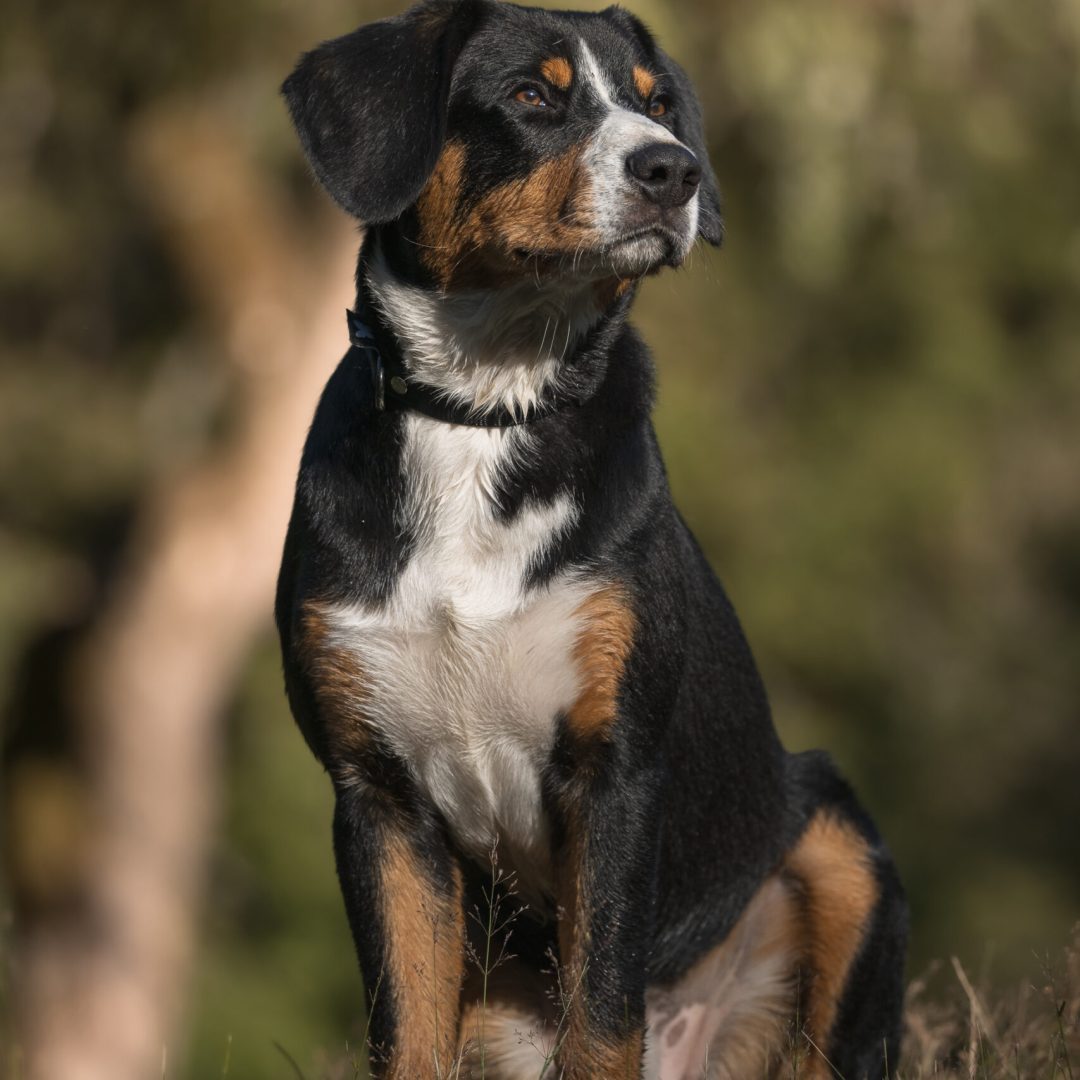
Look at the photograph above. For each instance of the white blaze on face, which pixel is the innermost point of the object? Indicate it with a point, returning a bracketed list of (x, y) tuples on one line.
[(621, 132)]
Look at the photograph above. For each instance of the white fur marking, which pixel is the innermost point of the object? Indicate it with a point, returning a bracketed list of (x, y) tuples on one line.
[(465, 670), (621, 133), (486, 348)]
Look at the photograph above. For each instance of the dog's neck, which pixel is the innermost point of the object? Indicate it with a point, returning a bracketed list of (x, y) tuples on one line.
[(483, 348)]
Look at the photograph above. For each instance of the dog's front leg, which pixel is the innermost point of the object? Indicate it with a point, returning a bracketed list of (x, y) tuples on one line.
[(404, 898), (606, 883)]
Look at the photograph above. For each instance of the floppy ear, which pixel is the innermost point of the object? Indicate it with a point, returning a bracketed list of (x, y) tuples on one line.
[(370, 107), (689, 126)]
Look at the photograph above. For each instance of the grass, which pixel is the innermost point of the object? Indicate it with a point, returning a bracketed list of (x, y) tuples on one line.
[(959, 1030), (952, 1027), (1030, 1033)]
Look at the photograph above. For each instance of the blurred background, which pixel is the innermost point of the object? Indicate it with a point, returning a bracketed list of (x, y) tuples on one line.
[(869, 405)]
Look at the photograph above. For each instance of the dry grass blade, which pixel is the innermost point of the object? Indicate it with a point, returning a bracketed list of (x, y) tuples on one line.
[(980, 1022)]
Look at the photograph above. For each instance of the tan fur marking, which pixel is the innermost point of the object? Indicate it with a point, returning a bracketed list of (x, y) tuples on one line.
[(340, 689), (558, 71), (644, 82), (593, 1059), (440, 237), (546, 211), (832, 863), (425, 942), (600, 653)]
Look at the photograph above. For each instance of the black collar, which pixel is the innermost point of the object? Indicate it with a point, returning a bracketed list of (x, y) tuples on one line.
[(394, 387)]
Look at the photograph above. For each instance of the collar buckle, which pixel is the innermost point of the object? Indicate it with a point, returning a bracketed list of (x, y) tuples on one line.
[(361, 337)]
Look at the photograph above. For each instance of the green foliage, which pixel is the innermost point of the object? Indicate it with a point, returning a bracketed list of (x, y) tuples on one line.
[(879, 443)]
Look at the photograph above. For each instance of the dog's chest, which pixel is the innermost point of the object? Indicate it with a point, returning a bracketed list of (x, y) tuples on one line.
[(466, 670)]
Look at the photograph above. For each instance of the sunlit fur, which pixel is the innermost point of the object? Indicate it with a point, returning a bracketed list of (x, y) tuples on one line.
[(465, 669), (621, 132), (485, 347), (506, 637)]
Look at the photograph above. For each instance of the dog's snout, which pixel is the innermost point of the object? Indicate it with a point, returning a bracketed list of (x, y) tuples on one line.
[(667, 174)]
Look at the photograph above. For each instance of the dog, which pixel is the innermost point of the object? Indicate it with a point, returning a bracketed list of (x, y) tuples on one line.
[(530, 691)]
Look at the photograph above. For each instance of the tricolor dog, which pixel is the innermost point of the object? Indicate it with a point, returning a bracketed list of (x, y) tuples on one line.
[(500, 638)]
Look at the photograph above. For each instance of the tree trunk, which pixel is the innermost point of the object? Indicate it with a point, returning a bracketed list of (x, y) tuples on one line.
[(101, 992)]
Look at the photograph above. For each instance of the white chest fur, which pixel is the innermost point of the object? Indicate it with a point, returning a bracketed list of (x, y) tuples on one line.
[(465, 670)]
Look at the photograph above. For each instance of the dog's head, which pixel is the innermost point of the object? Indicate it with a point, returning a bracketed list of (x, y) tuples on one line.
[(511, 141)]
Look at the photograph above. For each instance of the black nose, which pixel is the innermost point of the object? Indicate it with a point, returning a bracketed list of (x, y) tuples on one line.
[(666, 173)]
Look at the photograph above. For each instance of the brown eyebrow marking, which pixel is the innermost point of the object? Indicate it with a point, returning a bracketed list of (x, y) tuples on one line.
[(558, 71), (644, 81)]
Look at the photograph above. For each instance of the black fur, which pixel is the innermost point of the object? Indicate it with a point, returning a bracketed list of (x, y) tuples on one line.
[(370, 107), (692, 802)]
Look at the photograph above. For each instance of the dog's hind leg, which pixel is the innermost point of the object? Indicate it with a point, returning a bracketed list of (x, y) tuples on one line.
[(855, 928), (727, 1018)]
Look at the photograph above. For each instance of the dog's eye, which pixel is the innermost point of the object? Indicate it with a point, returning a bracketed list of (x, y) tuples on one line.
[(529, 95), (657, 107)]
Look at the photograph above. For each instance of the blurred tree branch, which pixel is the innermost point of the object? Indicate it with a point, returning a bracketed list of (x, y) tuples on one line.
[(101, 988)]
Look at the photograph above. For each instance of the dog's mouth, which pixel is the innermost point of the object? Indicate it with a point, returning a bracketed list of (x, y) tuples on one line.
[(635, 252), (655, 246)]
